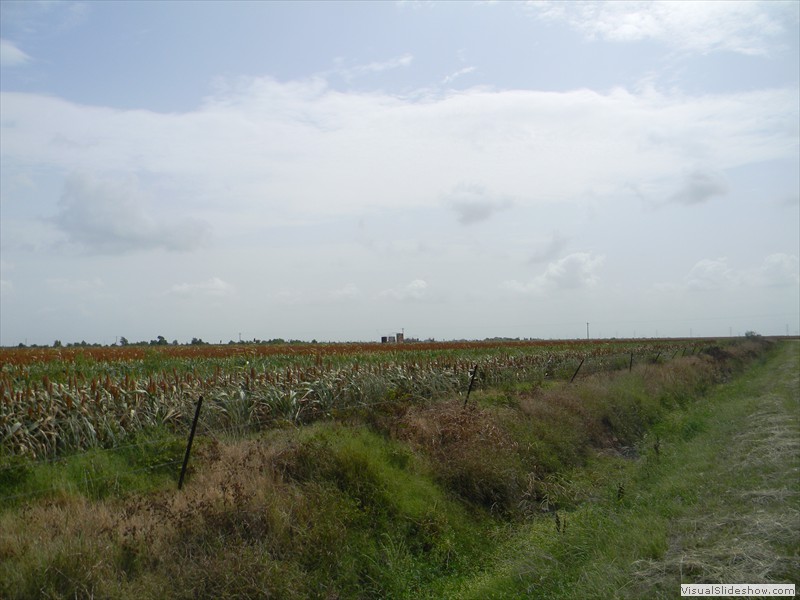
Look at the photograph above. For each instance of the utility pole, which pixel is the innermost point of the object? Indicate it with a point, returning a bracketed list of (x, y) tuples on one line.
[(587, 330)]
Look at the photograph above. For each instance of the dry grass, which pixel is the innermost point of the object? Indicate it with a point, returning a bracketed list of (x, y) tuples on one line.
[(471, 452), (77, 546), (749, 530)]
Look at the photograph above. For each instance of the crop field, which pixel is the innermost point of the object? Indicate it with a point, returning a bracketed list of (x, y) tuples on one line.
[(415, 470), (60, 400)]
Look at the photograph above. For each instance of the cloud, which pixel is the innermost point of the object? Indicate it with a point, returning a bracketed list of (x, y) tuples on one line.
[(289, 296), (711, 274), (347, 292), (11, 56), (547, 247), (413, 291), (299, 150), (699, 186), (776, 270), (453, 76), (575, 271), (373, 67), (742, 27), (473, 204), (214, 287), (109, 217), (62, 285)]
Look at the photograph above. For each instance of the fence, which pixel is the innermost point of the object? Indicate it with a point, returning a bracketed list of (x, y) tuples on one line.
[(254, 405)]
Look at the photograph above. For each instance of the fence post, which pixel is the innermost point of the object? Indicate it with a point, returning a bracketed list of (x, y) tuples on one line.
[(630, 366), (578, 369), (471, 383), (191, 439)]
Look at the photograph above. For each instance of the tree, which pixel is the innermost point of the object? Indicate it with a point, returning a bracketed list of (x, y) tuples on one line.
[(123, 341)]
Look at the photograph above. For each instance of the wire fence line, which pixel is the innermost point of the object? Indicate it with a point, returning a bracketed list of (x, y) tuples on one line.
[(298, 400), (245, 421)]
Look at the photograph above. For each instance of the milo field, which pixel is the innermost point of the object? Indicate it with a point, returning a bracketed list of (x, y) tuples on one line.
[(417, 470), (57, 400)]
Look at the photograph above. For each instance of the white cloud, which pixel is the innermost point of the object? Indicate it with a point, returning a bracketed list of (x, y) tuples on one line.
[(347, 292), (776, 270), (575, 271), (214, 287), (711, 274), (415, 290), (373, 67), (288, 296), (735, 26), (460, 73), (108, 217), (11, 56), (300, 150)]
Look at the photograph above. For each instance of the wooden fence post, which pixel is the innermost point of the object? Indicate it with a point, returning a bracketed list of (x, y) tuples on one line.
[(578, 369), (471, 383), (191, 438)]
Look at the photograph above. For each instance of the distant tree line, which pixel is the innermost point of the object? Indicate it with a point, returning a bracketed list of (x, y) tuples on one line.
[(162, 341)]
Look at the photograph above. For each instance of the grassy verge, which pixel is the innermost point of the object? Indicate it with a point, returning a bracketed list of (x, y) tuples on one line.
[(556, 491), (713, 497), (149, 461)]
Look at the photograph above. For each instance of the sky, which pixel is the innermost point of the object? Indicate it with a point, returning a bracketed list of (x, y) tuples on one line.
[(343, 171)]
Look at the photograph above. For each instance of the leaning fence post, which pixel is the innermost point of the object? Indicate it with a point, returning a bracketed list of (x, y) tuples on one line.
[(191, 438), (580, 364), (471, 383)]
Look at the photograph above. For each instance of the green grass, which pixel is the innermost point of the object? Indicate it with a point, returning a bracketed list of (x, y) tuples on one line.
[(714, 497), (563, 491), (150, 460)]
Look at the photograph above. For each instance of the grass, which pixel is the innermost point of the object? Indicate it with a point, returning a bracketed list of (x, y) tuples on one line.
[(714, 497), (149, 461), (555, 491)]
